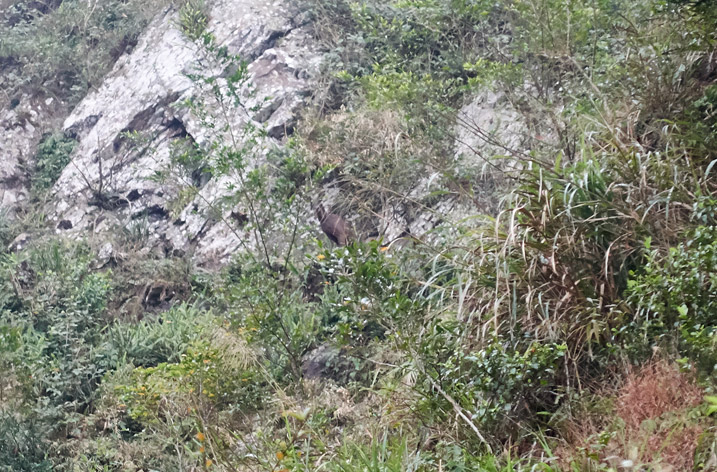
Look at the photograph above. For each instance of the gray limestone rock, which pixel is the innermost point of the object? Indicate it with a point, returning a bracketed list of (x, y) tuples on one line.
[(22, 124), (108, 182)]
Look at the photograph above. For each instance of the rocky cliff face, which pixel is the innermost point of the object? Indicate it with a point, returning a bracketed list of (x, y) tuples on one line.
[(106, 185)]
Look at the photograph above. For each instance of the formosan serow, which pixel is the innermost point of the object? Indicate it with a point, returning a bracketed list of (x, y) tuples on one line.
[(334, 226)]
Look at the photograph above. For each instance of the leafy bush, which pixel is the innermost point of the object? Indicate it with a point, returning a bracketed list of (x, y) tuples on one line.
[(699, 126), (270, 312), (6, 229), (496, 383), (674, 298), (53, 155), (21, 446), (205, 373), (367, 294), (160, 340), (57, 303), (193, 18), (416, 58)]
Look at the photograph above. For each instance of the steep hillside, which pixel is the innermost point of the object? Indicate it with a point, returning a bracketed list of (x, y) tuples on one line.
[(405, 235)]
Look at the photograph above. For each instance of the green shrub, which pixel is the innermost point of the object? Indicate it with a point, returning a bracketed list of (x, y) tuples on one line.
[(7, 232), (53, 155), (262, 304), (413, 57), (193, 19), (159, 340), (58, 305), (698, 126), (497, 384), (367, 294), (206, 373), (22, 447), (674, 298)]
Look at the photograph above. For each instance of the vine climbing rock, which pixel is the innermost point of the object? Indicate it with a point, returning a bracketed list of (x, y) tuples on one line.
[(334, 226)]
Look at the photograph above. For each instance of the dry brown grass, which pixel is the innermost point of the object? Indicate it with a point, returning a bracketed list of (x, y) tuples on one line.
[(649, 424), (653, 390), (367, 134), (659, 391)]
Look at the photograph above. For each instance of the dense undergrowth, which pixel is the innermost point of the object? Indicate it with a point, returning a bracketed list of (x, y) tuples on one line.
[(570, 324)]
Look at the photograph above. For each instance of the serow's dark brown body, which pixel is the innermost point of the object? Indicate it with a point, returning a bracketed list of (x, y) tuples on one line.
[(333, 226)]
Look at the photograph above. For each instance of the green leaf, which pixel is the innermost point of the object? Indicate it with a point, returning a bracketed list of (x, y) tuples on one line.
[(712, 408)]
